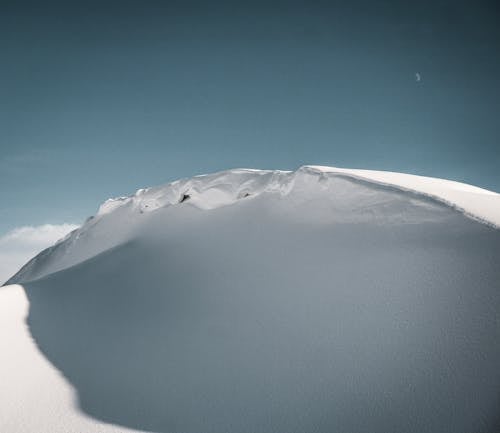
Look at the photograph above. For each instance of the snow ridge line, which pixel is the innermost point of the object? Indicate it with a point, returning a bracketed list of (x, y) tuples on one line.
[(434, 197), (276, 181)]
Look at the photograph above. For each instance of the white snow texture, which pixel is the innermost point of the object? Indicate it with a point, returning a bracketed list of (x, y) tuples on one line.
[(321, 300)]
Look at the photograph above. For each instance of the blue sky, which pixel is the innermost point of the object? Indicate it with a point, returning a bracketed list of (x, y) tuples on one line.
[(98, 99)]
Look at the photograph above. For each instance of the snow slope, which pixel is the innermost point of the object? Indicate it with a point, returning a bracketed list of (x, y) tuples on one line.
[(34, 396), (19, 245), (477, 203), (319, 301), (225, 188)]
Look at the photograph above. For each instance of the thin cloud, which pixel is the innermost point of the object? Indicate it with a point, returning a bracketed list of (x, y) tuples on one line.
[(22, 243)]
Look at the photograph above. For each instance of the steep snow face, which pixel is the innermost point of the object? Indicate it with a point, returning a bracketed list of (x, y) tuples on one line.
[(339, 196), (276, 302)]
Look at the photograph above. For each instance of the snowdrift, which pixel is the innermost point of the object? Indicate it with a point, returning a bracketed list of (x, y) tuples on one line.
[(34, 397), (262, 301)]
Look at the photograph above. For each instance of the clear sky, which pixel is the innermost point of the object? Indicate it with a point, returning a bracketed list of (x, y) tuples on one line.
[(100, 98)]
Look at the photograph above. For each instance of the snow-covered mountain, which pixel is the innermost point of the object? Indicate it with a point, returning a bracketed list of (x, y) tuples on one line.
[(338, 196), (321, 300)]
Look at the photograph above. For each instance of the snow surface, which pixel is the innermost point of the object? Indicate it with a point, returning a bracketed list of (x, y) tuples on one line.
[(19, 245), (208, 192), (34, 397), (243, 301), (475, 202)]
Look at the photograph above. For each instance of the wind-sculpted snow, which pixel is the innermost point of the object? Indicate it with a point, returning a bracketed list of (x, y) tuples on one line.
[(347, 196), (275, 302), (373, 310), (476, 203)]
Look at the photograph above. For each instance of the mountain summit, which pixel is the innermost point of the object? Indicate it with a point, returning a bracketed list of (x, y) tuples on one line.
[(313, 193), (321, 300)]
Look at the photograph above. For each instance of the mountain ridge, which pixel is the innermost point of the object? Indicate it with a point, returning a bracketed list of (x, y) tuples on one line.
[(212, 191), (278, 302)]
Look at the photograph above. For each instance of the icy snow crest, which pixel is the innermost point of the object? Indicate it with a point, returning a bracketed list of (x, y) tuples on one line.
[(207, 191), (219, 189)]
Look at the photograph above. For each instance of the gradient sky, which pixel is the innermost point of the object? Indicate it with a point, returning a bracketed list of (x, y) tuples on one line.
[(98, 99)]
